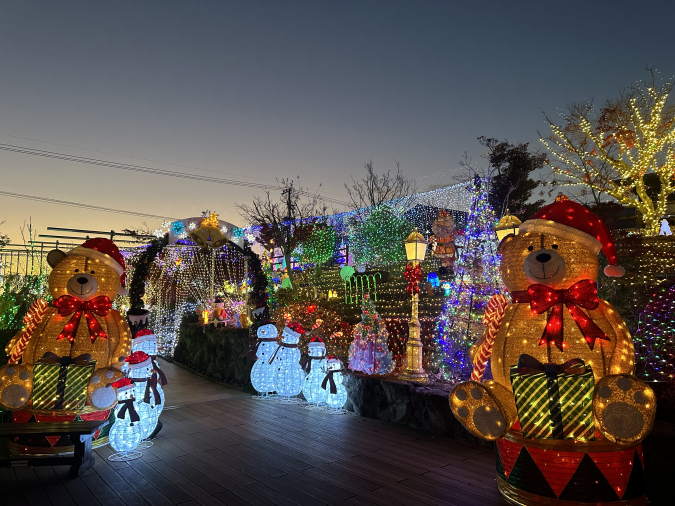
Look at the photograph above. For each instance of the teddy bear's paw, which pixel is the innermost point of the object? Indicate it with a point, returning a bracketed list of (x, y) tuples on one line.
[(16, 386), (100, 394), (624, 408), (478, 410)]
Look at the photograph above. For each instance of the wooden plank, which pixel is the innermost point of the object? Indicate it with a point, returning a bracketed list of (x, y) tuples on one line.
[(453, 496), (144, 487), (105, 451), (50, 428), (96, 486), (321, 489), (191, 488), (257, 473), (282, 461), (118, 484), (50, 483), (77, 488), (11, 490), (289, 484), (194, 476), (273, 497), (210, 462), (30, 486), (159, 481)]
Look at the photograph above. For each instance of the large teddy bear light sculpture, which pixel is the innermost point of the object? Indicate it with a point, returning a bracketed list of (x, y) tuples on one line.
[(550, 269), (79, 323)]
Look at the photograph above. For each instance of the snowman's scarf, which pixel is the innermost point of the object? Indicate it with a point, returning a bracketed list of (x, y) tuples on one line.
[(329, 379), (151, 384), (128, 405), (306, 362), (252, 350), (285, 345), (162, 376)]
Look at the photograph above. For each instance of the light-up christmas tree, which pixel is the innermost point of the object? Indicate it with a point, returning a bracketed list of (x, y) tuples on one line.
[(655, 338), (476, 280), (368, 352)]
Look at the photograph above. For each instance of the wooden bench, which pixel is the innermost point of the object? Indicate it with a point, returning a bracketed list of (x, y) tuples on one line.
[(80, 434)]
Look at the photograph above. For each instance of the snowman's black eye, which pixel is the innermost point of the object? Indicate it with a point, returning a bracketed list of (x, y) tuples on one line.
[(530, 248)]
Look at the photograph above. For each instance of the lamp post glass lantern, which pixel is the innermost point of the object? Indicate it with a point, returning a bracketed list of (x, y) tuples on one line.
[(509, 224), (415, 249)]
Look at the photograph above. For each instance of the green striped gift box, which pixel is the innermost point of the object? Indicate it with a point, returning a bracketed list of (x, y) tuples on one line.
[(555, 408), (59, 386)]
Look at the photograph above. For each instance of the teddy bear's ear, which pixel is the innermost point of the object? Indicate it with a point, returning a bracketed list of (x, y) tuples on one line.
[(505, 241), (54, 257)]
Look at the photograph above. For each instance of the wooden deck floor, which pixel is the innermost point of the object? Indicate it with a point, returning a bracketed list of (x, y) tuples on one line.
[(220, 447)]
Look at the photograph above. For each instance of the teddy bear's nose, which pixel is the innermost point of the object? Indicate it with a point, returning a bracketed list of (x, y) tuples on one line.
[(84, 281), (543, 257)]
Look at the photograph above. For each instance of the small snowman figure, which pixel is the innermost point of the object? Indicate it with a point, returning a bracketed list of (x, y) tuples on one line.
[(125, 434), (336, 393), (262, 373), (315, 368), (288, 374), (140, 371), (146, 342)]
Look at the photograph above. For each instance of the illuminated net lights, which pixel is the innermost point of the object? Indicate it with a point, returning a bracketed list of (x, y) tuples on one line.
[(262, 372), (655, 338), (125, 434), (377, 239), (476, 280)]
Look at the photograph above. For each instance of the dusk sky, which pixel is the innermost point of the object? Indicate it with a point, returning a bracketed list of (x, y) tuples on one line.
[(272, 89)]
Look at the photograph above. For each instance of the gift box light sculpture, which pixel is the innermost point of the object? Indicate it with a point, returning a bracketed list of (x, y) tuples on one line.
[(125, 434), (336, 393), (140, 371), (288, 374), (262, 373), (316, 369)]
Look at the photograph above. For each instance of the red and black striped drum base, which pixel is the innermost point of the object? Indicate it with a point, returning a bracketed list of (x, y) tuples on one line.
[(563, 472)]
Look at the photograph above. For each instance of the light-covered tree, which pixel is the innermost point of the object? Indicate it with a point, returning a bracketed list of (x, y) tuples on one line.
[(610, 151)]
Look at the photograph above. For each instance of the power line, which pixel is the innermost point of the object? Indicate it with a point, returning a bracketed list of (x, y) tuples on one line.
[(146, 159), (80, 205)]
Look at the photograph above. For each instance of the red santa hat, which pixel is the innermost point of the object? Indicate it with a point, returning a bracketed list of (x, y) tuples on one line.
[(138, 359), (144, 336), (294, 329), (123, 385), (569, 220), (333, 360), (106, 252)]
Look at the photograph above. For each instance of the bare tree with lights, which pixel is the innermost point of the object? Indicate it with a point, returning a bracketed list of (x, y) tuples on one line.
[(284, 223), (374, 190), (610, 151)]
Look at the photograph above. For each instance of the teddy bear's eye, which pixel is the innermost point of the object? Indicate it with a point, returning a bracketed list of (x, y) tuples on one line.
[(92, 272), (555, 246), (530, 248), (77, 270)]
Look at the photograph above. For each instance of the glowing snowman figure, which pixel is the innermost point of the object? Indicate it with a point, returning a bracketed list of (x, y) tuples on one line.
[(125, 434), (288, 374), (147, 395), (146, 342), (336, 393), (262, 373), (317, 371)]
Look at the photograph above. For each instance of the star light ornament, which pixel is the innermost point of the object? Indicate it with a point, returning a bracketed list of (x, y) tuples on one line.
[(262, 373), (336, 392), (316, 368), (288, 374), (125, 434), (140, 371)]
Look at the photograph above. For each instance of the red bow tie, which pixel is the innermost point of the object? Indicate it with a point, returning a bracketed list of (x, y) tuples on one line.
[(583, 294), (67, 304)]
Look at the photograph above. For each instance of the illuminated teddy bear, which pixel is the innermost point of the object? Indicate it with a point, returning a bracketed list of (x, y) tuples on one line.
[(80, 327), (562, 361)]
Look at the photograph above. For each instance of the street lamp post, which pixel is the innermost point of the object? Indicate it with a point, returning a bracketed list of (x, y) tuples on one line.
[(415, 249), (509, 224)]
